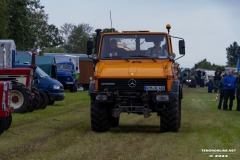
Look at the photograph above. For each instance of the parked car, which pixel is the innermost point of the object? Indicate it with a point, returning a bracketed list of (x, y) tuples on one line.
[(51, 90)]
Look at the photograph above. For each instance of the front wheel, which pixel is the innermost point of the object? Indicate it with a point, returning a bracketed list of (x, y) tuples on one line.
[(114, 121), (73, 88), (43, 100), (170, 117), (99, 118), (21, 98)]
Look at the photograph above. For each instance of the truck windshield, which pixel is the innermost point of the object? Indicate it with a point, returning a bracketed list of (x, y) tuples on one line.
[(64, 67), (140, 46), (41, 73)]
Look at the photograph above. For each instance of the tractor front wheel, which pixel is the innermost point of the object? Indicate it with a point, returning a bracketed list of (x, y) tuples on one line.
[(21, 98)]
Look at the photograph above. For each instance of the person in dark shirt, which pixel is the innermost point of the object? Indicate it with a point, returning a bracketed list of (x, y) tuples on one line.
[(238, 91), (114, 50), (229, 84), (156, 50), (221, 92)]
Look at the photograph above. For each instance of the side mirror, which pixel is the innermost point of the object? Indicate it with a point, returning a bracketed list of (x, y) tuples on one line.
[(89, 47), (181, 45)]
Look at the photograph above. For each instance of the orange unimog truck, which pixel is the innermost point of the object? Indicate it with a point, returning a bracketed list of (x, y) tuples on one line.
[(135, 77)]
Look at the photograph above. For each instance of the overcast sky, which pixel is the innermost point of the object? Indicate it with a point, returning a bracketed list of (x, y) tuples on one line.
[(208, 26)]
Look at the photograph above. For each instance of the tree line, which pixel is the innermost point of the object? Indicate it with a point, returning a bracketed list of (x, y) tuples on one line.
[(233, 53), (26, 22)]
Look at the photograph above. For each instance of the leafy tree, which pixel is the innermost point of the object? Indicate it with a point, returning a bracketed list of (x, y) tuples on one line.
[(77, 40), (204, 64), (19, 24), (233, 52), (55, 50), (107, 30), (28, 25), (4, 19), (44, 35), (65, 31)]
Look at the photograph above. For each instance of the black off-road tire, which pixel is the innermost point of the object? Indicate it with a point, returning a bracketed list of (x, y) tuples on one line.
[(114, 121), (8, 121), (21, 98), (43, 100), (180, 113), (169, 120), (73, 88), (36, 98), (100, 121), (2, 124)]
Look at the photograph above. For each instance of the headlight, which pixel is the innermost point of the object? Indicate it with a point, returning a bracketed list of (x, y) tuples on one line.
[(56, 87), (161, 98), (101, 97)]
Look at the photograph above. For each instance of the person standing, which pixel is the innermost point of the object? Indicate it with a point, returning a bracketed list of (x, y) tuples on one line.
[(229, 84), (238, 91), (221, 92)]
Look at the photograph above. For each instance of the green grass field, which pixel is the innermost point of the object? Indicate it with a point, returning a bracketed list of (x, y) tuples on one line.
[(63, 131)]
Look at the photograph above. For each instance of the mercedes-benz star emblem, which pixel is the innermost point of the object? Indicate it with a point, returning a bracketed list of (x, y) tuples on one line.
[(132, 83)]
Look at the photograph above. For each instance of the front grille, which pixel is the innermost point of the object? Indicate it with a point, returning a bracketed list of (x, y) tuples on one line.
[(61, 78), (123, 84)]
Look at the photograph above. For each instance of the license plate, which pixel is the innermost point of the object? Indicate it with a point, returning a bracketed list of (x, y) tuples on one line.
[(69, 82), (154, 88)]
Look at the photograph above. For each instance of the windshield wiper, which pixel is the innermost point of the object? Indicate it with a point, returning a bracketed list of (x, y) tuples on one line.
[(139, 56), (119, 57), (142, 56), (153, 59)]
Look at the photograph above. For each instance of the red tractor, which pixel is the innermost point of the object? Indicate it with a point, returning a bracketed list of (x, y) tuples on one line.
[(6, 109), (24, 96)]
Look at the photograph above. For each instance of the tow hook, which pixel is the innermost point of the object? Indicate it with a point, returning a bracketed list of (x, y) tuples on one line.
[(146, 111), (116, 111)]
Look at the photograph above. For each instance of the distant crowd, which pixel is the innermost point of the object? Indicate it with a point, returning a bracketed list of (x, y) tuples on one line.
[(229, 89)]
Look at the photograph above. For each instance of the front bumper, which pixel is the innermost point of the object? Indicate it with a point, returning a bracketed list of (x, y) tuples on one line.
[(145, 97), (56, 96)]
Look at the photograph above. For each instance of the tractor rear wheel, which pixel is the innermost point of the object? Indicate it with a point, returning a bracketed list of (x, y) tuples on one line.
[(21, 98)]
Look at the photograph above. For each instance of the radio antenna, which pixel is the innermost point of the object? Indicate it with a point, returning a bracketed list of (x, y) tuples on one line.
[(111, 20)]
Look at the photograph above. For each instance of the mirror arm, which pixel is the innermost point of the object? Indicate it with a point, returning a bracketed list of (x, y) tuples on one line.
[(179, 57)]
